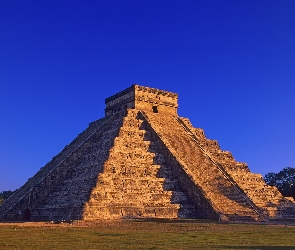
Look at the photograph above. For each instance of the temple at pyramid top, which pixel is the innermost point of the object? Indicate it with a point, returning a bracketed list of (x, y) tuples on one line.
[(143, 98)]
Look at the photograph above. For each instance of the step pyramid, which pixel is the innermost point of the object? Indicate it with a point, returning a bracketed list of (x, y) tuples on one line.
[(144, 161)]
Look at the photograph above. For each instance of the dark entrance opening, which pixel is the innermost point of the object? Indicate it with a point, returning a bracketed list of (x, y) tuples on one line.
[(155, 109), (27, 214)]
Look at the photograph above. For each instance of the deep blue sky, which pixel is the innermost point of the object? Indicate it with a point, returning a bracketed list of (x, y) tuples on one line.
[(231, 62)]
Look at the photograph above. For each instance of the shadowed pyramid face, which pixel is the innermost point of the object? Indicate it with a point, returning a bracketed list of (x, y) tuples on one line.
[(143, 161)]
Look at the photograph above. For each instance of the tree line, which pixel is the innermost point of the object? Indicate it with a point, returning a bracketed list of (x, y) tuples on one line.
[(283, 180)]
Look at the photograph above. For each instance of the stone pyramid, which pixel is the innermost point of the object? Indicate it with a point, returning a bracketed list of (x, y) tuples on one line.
[(144, 161)]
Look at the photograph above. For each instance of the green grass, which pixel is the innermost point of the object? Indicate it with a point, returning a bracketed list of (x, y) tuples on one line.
[(156, 234)]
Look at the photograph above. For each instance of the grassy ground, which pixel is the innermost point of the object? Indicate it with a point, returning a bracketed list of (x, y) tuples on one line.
[(148, 234)]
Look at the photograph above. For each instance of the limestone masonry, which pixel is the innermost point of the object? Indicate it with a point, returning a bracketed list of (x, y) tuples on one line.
[(144, 161)]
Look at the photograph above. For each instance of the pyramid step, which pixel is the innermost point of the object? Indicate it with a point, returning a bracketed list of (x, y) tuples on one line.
[(134, 171), (235, 217), (187, 211), (112, 212)]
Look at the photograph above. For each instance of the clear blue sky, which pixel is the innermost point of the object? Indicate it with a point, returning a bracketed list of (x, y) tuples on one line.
[(231, 62)]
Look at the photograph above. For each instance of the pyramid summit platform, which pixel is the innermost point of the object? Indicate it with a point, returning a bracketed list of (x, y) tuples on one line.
[(144, 161)]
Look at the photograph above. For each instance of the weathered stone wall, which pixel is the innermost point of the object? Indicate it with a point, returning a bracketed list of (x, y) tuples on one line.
[(155, 100), (120, 101), (142, 98)]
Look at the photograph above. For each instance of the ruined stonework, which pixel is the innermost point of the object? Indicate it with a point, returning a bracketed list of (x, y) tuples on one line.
[(144, 161)]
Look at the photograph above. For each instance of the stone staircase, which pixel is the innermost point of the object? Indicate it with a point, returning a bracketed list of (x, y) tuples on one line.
[(136, 182), (226, 198)]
